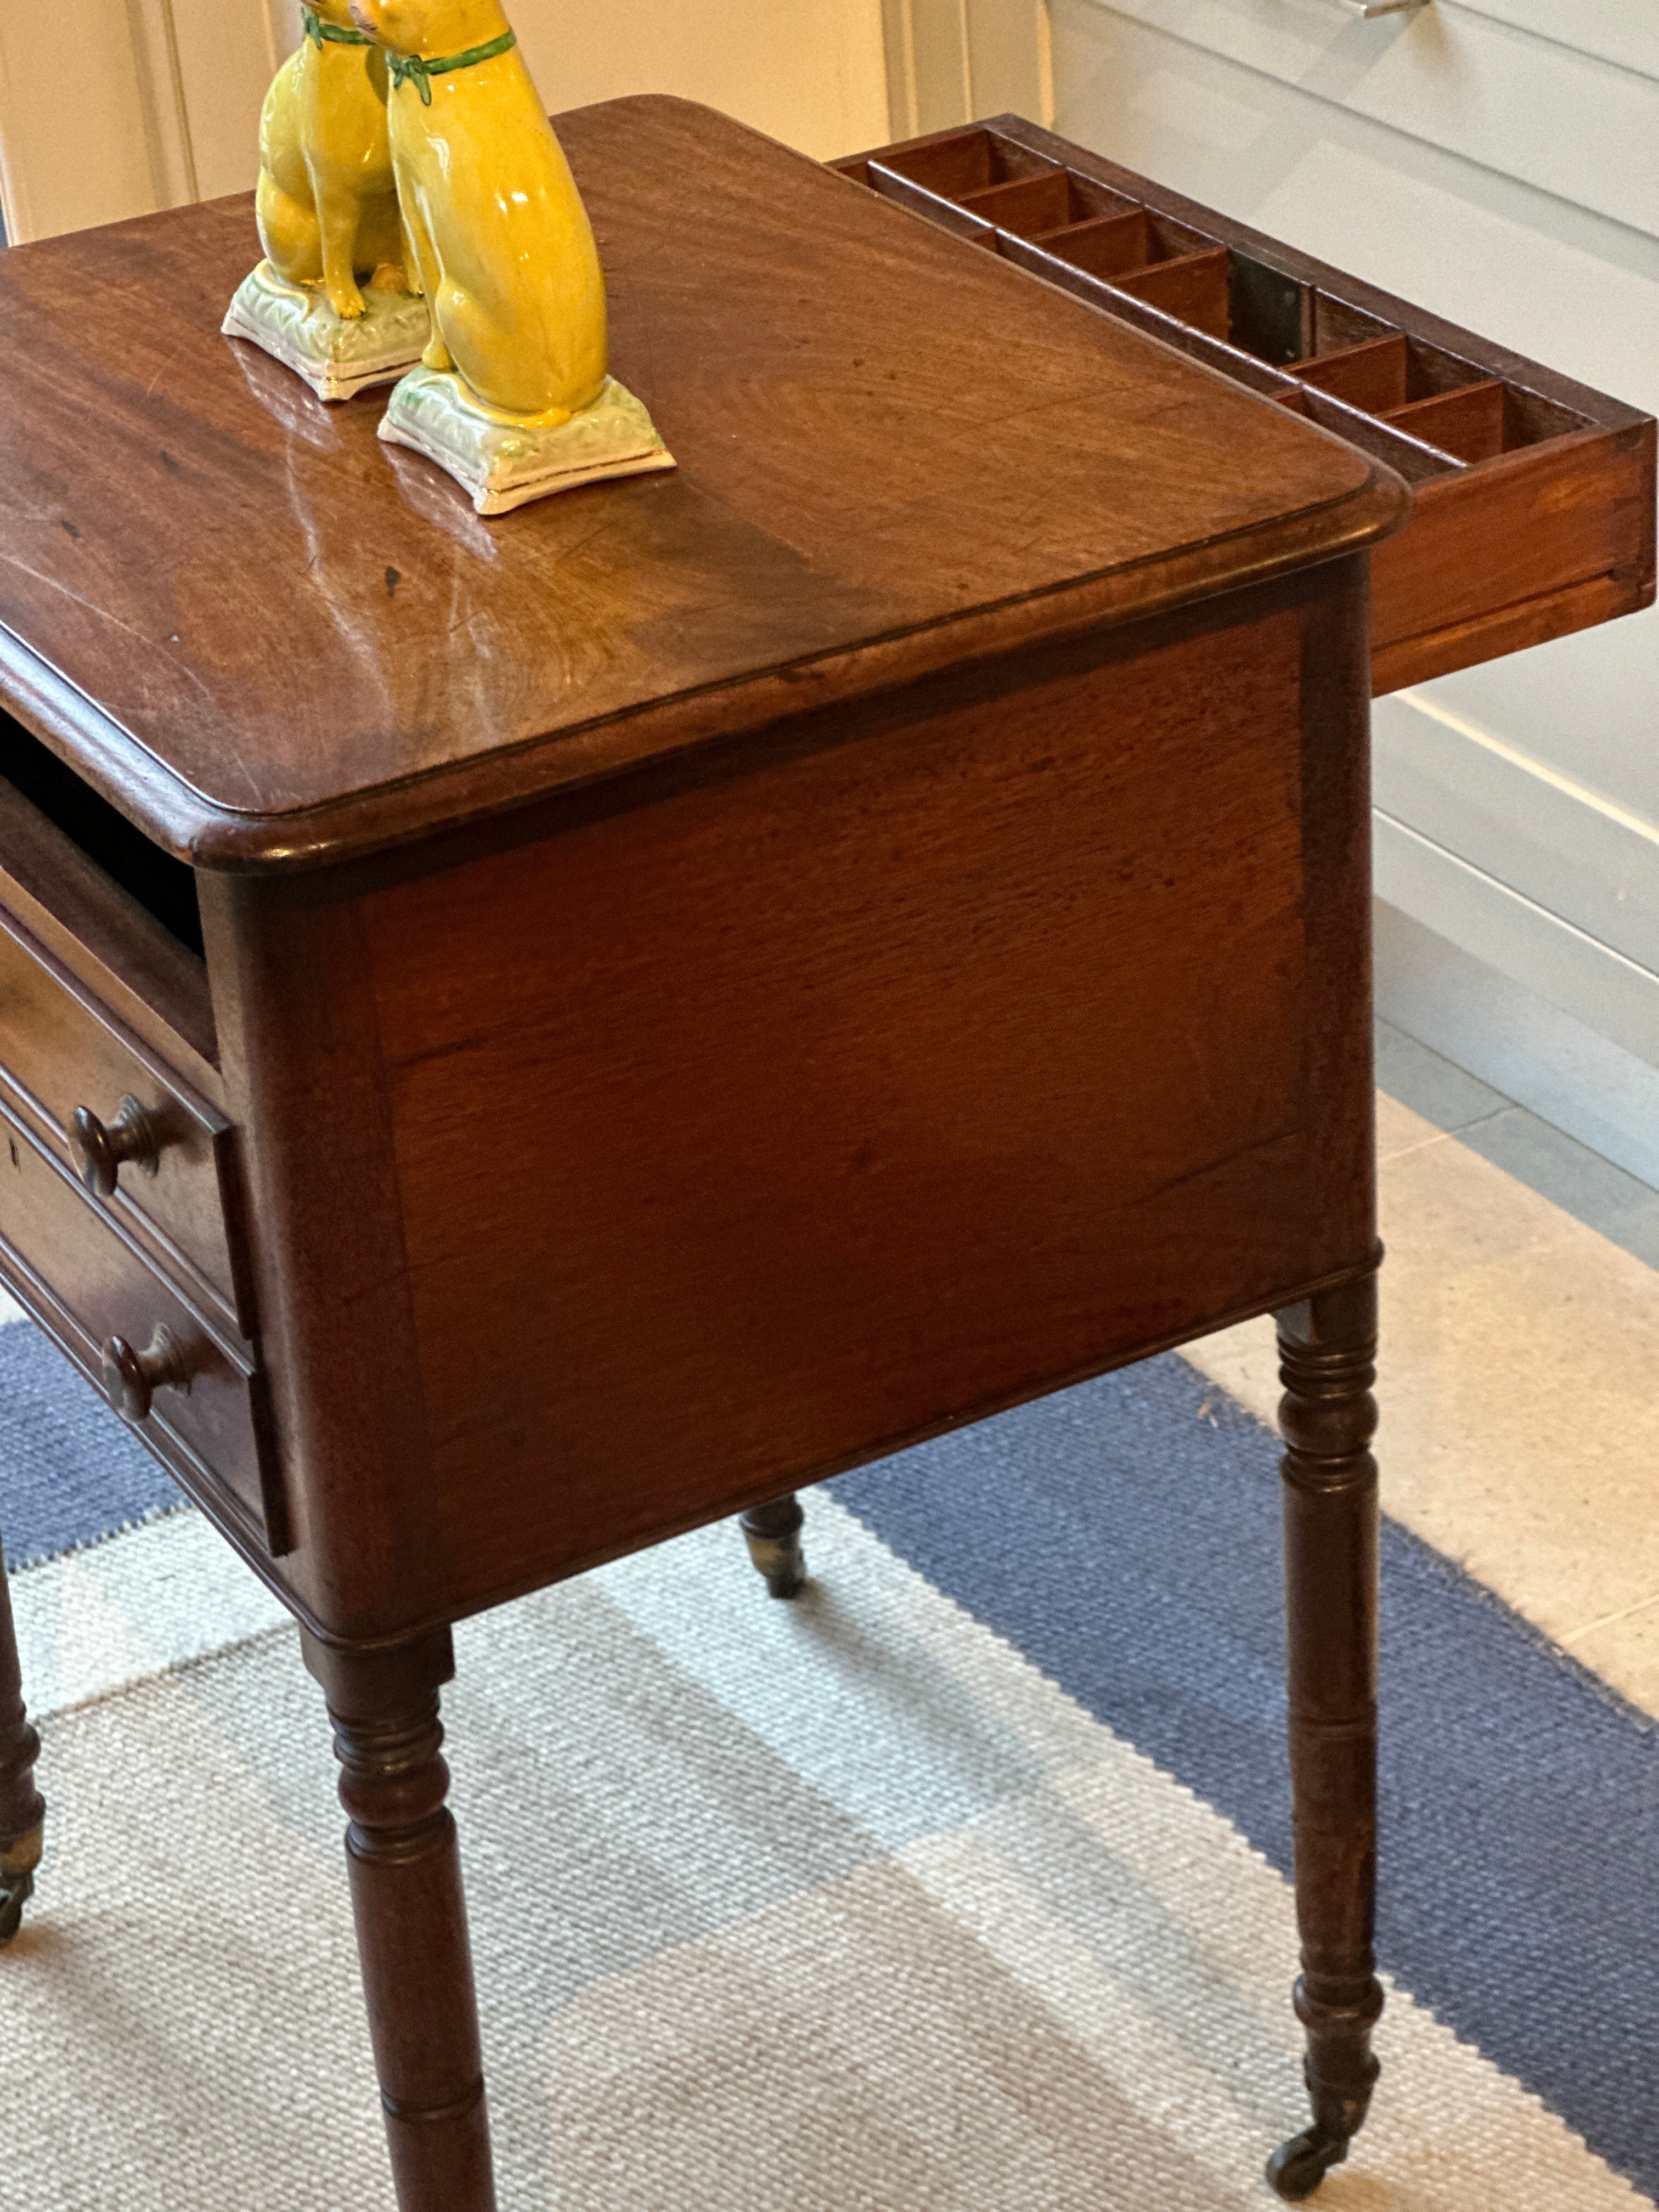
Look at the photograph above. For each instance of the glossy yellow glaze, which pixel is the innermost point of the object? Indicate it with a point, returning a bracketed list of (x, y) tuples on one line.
[(496, 225), (327, 201)]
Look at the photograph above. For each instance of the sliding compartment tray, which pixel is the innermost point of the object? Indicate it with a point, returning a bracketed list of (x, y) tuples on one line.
[(1533, 496)]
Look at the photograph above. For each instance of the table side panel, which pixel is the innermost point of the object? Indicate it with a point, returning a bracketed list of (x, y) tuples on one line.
[(746, 1133)]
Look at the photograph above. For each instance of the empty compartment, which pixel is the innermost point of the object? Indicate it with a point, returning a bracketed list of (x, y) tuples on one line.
[(1478, 422), (1334, 324), (1382, 375), (1432, 370), (1107, 246), (1024, 204), (1372, 376), (1468, 423), (1407, 456), (1117, 241), (1027, 206), (1194, 288), (966, 161), (1528, 419)]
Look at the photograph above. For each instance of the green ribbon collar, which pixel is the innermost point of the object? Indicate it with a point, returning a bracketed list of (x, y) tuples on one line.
[(413, 68), (321, 33)]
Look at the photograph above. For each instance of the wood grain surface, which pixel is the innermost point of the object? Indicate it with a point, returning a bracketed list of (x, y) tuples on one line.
[(1514, 553), (854, 1097), (269, 639)]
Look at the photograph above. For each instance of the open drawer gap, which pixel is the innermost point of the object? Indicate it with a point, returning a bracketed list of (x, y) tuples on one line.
[(164, 887)]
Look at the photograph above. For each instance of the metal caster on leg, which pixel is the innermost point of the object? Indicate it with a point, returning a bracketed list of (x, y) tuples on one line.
[(1297, 2168), (772, 1533), (17, 1867)]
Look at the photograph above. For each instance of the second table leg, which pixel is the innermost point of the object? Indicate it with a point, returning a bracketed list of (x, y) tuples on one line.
[(1327, 1352), (411, 1918), (23, 1810)]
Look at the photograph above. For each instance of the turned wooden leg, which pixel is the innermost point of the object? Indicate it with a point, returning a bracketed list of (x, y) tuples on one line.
[(773, 1534), (22, 1809), (411, 1920), (1327, 1350)]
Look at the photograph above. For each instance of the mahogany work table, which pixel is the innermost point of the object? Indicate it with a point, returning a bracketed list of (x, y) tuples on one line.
[(520, 1038)]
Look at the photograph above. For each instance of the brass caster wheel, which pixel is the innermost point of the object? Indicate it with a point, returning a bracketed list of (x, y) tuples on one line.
[(15, 1891), (772, 1533), (1297, 2168)]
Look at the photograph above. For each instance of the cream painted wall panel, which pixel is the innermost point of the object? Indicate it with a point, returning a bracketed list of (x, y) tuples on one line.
[(75, 146), (810, 72), (1544, 112), (938, 32), (950, 60), (1009, 58), (160, 96), (110, 108), (226, 59), (1623, 31)]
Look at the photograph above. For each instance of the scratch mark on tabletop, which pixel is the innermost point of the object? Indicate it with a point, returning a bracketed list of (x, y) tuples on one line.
[(106, 614)]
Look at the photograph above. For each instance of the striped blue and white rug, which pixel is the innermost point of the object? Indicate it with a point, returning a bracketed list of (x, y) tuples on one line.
[(957, 1886)]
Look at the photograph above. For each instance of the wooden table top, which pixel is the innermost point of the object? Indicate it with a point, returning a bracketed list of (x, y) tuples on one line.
[(271, 640)]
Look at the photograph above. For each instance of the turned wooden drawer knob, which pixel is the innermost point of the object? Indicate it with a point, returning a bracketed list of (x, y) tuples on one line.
[(100, 1151), (129, 1376)]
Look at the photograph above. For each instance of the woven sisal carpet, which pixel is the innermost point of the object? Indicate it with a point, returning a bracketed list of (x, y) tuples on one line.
[(841, 1906)]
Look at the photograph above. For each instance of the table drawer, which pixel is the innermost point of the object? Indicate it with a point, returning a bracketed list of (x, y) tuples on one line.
[(1533, 496), (87, 1280), (62, 1052)]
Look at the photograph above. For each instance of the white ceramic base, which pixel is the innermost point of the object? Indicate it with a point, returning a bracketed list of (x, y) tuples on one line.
[(504, 461), (297, 327)]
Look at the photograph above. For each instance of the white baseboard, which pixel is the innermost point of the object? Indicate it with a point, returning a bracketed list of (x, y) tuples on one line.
[(1497, 1028), (1603, 990), (1520, 932), (1514, 815)]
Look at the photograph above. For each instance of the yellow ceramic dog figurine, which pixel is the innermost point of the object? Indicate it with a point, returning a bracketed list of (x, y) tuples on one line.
[(502, 239), (514, 398), (328, 216), (327, 201)]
